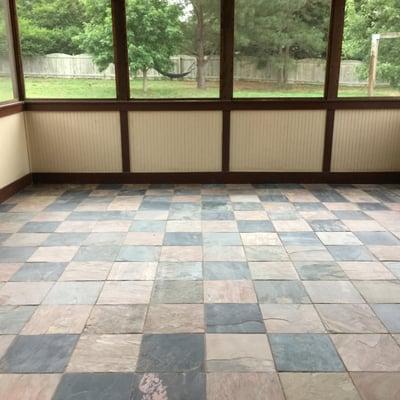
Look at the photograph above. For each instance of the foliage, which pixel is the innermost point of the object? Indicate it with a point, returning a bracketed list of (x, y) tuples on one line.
[(364, 18), (3, 32), (50, 26)]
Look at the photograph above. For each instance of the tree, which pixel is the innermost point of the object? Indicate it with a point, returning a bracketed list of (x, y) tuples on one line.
[(201, 29), (50, 26), (3, 31), (153, 31), (276, 32), (364, 18)]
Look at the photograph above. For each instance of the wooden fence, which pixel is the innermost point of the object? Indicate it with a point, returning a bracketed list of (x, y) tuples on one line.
[(308, 71)]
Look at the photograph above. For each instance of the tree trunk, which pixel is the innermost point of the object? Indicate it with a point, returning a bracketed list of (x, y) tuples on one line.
[(285, 66), (200, 54), (144, 80)]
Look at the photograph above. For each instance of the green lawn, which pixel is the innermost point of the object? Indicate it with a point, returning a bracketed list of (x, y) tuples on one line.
[(103, 89)]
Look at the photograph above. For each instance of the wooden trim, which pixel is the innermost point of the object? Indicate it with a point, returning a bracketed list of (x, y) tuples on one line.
[(120, 49), (125, 150), (14, 187), (330, 121), (220, 177), (334, 48), (227, 48), (226, 141), (11, 108), (19, 70)]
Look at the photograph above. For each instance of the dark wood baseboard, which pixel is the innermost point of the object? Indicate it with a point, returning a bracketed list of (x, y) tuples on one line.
[(220, 177), (14, 187)]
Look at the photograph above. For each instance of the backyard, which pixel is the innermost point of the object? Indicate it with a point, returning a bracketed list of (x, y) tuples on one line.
[(102, 88)]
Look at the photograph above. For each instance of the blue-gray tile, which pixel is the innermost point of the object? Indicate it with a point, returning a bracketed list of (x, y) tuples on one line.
[(139, 253), (389, 314), (234, 318), (38, 354), (15, 254), (176, 292), (65, 239), (221, 239), (329, 225), (35, 272), (323, 271), (147, 226), (13, 318), (171, 353), (378, 238), (183, 239), (350, 253), (281, 292), (255, 226), (305, 353), (226, 270), (39, 227)]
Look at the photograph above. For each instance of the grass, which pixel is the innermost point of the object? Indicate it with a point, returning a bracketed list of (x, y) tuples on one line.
[(105, 89)]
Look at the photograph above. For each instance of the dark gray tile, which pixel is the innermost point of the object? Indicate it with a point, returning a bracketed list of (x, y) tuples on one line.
[(183, 239), (350, 253), (332, 225), (226, 270), (378, 238), (255, 226), (38, 354), (171, 353), (13, 318), (234, 318), (324, 271), (147, 226), (139, 253), (39, 227), (65, 239), (282, 292), (305, 353), (98, 386), (175, 292), (15, 254), (35, 272), (97, 253), (172, 386), (389, 314)]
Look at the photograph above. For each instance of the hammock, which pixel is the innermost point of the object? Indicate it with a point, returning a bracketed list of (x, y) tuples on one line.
[(173, 75)]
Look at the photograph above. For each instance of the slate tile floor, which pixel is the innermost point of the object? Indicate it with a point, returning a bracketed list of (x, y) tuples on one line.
[(195, 292)]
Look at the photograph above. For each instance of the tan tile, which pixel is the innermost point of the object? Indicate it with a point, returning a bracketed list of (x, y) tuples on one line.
[(54, 254), (7, 270), (300, 196), (308, 253), (23, 293), (219, 226), (186, 198), (332, 292), (273, 270), (338, 238), (224, 253), (251, 215), (54, 319), (105, 353), (112, 226), (152, 215), (10, 227), (28, 387), (51, 216), (144, 238), (238, 353), (133, 271), (76, 226), (386, 253), (33, 204), (358, 270), (318, 386), (183, 226), (363, 225), (90, 206), (116, 319), (175, 318), (299, 225), (229, 292), (243, 386), (181, 253), (278, 206), (126, 292), (291, 318), (25, 239), (349, 318), (396, 337), (244, 198), (260, 238), (373, 352), (5, 341), (125, 203), (337, 206), (377, 385), (379, 291), (86, 271)]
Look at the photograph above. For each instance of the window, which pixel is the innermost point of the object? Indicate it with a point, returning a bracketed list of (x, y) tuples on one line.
[(6, 83), (280, 48), (67, 48), (173, 48), (371, 49)]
